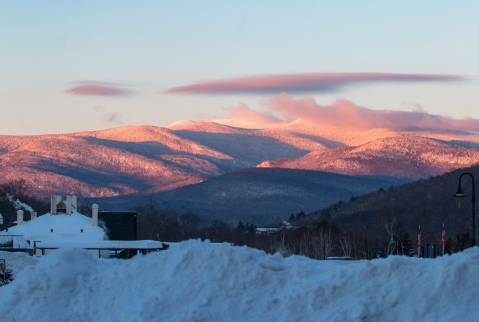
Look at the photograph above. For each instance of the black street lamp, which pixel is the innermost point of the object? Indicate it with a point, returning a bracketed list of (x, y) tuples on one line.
[(459, 196)]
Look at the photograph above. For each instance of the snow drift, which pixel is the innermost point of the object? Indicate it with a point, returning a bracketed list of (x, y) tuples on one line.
[(196, 281), (17, 261)]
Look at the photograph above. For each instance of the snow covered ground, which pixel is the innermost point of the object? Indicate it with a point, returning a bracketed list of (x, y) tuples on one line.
[(17, 261), (196, 281)]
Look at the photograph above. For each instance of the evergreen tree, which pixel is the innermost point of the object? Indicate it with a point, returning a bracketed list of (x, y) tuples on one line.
[(240, 226), (251, 228), (463, 241), (404, 243)]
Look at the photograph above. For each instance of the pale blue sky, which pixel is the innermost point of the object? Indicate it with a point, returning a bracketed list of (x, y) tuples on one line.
[(155, 45)]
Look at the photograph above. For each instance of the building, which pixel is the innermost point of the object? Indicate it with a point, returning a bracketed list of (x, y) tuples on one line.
[(65, 227)]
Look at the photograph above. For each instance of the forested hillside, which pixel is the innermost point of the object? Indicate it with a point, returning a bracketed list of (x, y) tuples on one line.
[(261, 196), (428, 203)]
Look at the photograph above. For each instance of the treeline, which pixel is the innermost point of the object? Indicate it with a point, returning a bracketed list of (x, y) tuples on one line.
[(14, 190), (428, 203), (384, 222), (319, 240)]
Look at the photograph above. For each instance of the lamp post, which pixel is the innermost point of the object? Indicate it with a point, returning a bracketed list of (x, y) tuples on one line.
[(459, 196)]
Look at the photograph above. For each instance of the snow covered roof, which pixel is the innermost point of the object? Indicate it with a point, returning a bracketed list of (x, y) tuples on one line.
[(16, 242), (104, 244), (65, 227)]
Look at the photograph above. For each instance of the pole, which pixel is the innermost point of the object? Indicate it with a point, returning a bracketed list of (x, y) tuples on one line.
[(3, 269), (473, 239), (473, 216), (443, 237), (419, 242)]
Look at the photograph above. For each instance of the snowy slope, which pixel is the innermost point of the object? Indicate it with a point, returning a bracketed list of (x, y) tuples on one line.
[(404, 156), (195, 281), (137, 159)]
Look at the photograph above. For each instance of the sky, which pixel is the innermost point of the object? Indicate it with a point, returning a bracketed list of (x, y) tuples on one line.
[(68, 66)]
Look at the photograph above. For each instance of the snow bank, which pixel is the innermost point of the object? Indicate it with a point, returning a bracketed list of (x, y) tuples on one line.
[(17, 261), (197, 281)]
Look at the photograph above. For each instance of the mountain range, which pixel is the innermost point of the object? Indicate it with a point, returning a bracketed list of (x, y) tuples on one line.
[(405, 156), (258, 195), (147, 160)]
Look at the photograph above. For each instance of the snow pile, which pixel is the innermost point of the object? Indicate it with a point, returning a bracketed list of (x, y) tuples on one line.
[(17, 261), (196, 281)]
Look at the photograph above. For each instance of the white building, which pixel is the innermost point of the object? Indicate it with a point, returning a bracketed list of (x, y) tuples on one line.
[(64, 227), (59, 224)]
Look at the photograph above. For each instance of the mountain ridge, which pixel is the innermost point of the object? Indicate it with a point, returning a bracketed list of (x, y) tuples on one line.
[(140, 159)]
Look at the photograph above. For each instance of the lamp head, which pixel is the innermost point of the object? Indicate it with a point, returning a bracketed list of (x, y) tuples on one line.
[(459, 196)]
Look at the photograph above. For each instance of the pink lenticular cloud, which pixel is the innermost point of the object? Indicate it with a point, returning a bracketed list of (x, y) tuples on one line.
[(244, 114), (303, 83), (285, 108), (97, 83), (92, 88)]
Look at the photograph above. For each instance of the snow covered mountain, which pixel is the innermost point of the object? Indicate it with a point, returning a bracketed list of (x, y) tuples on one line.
[(405, 156), (146, 159)]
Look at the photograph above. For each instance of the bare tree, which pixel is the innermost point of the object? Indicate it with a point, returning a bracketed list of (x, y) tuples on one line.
[(189, 222), (16, 188), (346, 243), (390, 225)]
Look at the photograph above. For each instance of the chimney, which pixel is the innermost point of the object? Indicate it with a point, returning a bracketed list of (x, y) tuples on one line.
[(54, 202), (19, 217), (74, 202), (94, 215), (33, 215), (53, 205), (69, 204)]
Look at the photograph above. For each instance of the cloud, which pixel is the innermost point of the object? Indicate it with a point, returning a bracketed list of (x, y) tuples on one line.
[(98, 108), (112, 118), (97, 83), (342, 112), (109, 118), (303, 83), (243, 114), (92, 88)]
